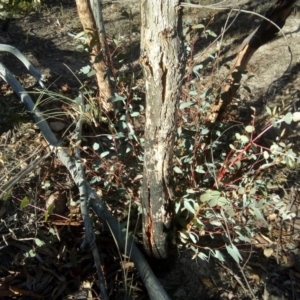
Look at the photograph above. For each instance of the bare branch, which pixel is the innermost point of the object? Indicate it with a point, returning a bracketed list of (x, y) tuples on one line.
[(153, 286)]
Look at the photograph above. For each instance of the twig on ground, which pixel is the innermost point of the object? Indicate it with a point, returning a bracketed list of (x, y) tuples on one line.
[(237, 278), (8, 185)]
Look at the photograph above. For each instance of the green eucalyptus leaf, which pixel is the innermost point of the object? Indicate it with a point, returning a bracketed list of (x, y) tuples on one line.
[(241, 190), (188, 206), (177, 170), (25, 202), (213, 202), (193, 237), (234, 252), (92, 73), (39, 242), (7, 194), (296, 116), (116, 98), (198, 26), (259, 215), (191, 191), (217, 254), (211, 33), (288, 118), (244, 139), (209, 194), (103, 154), (199, 169), (205, 197), (222, 201), (243, 238), (96, 146), (249, 128), (266, 155), (135, 114), (184, 105), (85, 70)]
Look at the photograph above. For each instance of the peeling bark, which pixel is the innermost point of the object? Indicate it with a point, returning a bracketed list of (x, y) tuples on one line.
[(162, 58), (98, 57)]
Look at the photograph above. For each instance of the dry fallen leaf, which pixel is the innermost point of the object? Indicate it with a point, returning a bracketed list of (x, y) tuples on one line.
[(207, 282), (268, 252), (127, 264), (272, 217), (59, 200), (255, 278), (65, 88)]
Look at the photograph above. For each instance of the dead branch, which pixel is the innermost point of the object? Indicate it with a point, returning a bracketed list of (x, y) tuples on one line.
[(29, 66), (89, 232), (153, 286), (266, 32), (99, 51)]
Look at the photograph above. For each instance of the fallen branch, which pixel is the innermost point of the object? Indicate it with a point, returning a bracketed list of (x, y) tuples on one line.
[(272, 23), (30, 67), (267, 31), (153, 286)]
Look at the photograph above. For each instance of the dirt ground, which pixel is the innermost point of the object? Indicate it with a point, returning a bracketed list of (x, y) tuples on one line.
[(46, 38)]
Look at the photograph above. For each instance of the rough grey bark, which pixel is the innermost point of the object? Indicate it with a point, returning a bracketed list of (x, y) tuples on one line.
[(162, 58)]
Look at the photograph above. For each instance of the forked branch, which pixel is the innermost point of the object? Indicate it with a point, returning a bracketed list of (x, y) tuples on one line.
[(153, 286)]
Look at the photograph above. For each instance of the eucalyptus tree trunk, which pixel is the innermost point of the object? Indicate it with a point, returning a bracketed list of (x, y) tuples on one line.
[(90, 14), (162, 59)]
